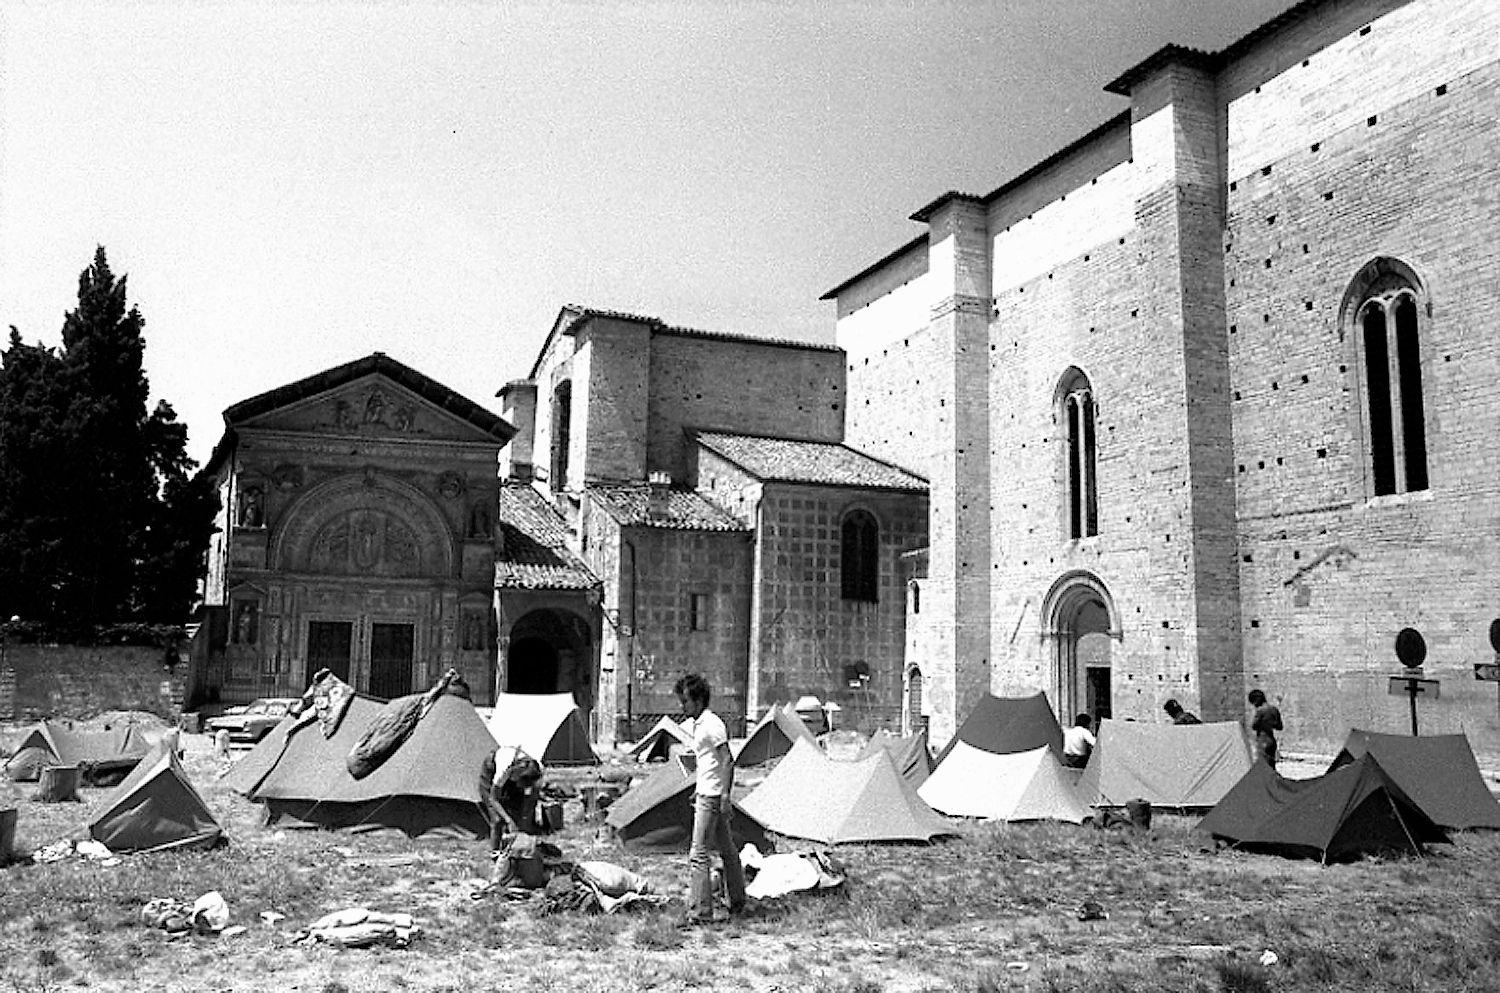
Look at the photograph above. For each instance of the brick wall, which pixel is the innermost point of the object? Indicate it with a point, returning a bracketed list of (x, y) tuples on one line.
[(47, 681)]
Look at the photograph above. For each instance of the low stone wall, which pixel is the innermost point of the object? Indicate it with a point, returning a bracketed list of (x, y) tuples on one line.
[(76, 681)]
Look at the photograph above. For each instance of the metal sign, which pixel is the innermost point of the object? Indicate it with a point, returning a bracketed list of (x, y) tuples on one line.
[(1411, 648), (1487, 671), (1411, 686)]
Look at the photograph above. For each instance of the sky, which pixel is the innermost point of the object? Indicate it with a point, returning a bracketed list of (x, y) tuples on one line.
[(291, 186)]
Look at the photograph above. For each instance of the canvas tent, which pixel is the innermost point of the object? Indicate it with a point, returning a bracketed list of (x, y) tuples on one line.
[(103, 757), (811, 796), (1186, 766), (155, 808), (1021, 786), (659, 742), (909, 753), (656, 815), (1005, 725), (773, 736), (1438, 772), (547, 726), (1353, 811), (436, 784)]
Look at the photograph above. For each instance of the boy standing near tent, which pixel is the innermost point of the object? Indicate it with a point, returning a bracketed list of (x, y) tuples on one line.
[(712, 811), (1264, 723), (1078, 742)]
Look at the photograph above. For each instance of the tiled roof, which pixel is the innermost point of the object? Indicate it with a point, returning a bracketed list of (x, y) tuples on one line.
[(629, 505), (536, 555), (817, 462)]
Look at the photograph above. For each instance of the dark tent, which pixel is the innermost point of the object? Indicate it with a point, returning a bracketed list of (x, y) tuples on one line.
[(435, 784), (910, 754), (1438, 772), (1005, 725), (656, 815), (103, 758), (155, 808), (773, 736), (1353, 811)]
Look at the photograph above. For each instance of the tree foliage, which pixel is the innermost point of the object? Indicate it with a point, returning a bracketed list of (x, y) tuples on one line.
[(102, 519)]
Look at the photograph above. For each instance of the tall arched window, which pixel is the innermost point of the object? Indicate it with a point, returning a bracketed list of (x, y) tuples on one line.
[(1075, 401), (860, 562), (562, 415), (1385, 301)]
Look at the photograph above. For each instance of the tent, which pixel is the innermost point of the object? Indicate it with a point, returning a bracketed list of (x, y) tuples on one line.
[(910, 754), (155, 808), (1022, 786), (103, 757), (773, 736), (1004, 725), (656, 815), (547, 726), (808, 795), (436, 784), (1354, 810), (1185, 766), (1438, 772), (658, 743)]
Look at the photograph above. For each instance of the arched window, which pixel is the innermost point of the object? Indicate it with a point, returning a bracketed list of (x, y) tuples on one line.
[(1075, 400), (562, 415), (860, 572), (916, 596), (1385, 304), (913, 721)]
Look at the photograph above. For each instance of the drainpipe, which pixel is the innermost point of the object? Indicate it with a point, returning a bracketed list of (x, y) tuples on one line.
[(627, 633)]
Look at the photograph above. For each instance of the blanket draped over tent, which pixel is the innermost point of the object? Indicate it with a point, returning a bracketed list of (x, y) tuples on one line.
[(156, 807), (1186, 766), (1024, 786), (1438, 772), (811, 796), (1353, 811), (547, 726)]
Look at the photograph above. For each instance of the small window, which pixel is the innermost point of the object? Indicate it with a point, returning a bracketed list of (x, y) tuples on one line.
[(915, 590), (1076, 412), (1388, 334), (860, 561), (698, 611)]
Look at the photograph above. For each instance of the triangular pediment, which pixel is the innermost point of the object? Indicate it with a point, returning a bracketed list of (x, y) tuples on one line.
[(374, 397)]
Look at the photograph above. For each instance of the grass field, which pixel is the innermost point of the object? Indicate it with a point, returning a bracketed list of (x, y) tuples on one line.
[(995, 909)]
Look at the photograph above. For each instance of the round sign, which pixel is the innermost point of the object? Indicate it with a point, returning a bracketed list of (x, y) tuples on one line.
[(1411, 649), (1495, 635)]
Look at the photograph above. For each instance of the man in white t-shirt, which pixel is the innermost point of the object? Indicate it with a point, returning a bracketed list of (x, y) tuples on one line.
[(711, 805), (1078, 742)]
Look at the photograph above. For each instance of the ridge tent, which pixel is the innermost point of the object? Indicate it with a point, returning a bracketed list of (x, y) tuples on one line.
[(1184, 766), (547, 726), (811, 796), (154, 808), (910, 754), (103, 757), (1352, 811), (773, 736), (1021, 786), (656, 815), (436, 784), (1004, 725), (1438, 772), (660, 740)]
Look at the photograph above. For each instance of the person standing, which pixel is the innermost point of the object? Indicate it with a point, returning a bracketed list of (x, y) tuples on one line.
[(1078, 742), (1264, 724), (1178, 714), (714, 770)]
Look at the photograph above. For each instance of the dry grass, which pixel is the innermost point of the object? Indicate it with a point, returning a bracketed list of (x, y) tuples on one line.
[(994, 910)]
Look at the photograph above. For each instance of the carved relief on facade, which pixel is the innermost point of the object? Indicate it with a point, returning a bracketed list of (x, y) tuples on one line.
[(366, 542), (287, 476), (252, 509), (450, 485), (375, 409)]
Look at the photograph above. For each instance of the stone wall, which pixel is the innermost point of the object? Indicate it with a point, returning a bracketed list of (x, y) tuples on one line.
[(69, 681)]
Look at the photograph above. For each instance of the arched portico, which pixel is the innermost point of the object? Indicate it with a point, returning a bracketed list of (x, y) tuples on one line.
[(1081, 626), (551, 650)]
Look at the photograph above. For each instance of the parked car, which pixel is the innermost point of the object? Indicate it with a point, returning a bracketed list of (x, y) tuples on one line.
[(252, 723)]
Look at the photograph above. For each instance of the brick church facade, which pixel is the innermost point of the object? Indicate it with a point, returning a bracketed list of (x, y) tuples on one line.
[(1206, 400)]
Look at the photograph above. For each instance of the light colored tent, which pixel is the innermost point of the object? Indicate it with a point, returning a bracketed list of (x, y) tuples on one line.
[(547, 726), (1438, 772), (773, 736), (808, 795), (436, 784), (1005, 725), (154, 808), (1022, 786), (101, 756), (659, 742), (910, 754), (1185, 766), (656, 815)]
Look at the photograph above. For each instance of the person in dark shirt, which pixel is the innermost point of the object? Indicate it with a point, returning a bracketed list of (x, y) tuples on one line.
[(1179, 716), (1264, 724)]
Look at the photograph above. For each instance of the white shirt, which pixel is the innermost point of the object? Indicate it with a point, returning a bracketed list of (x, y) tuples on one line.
[(1078, 741), (709, 733)]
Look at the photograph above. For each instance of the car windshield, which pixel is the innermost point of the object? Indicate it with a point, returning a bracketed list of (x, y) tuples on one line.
[(259, 707)]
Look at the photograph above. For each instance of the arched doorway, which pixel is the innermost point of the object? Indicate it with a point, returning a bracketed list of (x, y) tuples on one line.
[(551, 651), (1081, 625)]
